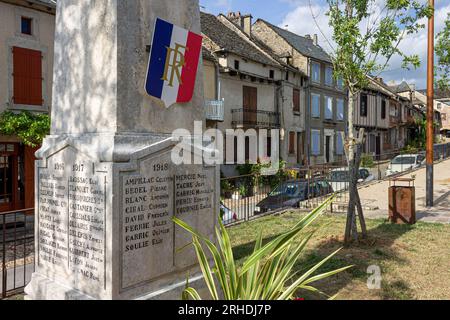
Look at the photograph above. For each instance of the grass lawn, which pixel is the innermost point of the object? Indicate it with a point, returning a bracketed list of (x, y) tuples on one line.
[(414, 260)]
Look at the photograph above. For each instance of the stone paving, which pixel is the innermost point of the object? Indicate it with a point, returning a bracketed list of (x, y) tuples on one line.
[(376, 195)]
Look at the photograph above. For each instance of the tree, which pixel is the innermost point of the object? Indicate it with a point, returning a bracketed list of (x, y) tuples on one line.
[(366, 35), (443, 56)]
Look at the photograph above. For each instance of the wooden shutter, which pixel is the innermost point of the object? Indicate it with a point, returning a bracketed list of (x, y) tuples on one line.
[(296, 100), (250, 105), (291, 142), (27, 74)]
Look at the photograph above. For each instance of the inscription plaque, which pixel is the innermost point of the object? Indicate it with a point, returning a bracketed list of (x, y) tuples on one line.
[(150, 240), (71, 219)]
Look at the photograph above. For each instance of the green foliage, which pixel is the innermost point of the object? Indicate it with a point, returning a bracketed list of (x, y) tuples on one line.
[(366, 39), (410, 149), (30, 128), (367, 161), (443, 56), (267, 274)]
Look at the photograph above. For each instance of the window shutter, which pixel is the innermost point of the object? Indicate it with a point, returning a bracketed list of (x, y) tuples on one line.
[(296, 100), (27, 75), (315, 142)]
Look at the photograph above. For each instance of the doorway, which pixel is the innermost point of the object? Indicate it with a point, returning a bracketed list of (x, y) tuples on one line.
[(329, 146), (301, 148), (11, 186)]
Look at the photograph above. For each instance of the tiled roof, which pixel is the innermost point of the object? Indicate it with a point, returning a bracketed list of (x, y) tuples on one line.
[(382, 87), (302, 44), (51, 3), (224, 38), (402, 87)]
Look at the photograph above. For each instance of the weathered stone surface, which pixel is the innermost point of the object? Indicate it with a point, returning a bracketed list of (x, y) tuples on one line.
[(106, 186), (101, 63)]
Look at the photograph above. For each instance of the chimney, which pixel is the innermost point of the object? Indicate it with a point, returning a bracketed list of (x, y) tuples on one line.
[(308, 36), (247, 24), (242, 21), (379, 80), (315, 40)]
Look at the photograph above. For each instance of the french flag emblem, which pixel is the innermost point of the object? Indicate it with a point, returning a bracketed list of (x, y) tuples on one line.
[(174, 59)]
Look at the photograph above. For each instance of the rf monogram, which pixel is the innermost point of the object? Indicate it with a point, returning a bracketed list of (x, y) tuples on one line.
[(175, 61)]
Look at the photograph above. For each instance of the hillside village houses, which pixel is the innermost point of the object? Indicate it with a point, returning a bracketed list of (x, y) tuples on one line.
[(256, 76), (326, 110), (26, 71), (419, 100), (254, 86)]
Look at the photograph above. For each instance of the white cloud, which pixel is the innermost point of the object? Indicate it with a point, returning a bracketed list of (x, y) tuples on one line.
[(300, 20)]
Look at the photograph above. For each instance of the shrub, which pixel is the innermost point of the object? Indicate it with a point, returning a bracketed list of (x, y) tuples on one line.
[(267, 274)]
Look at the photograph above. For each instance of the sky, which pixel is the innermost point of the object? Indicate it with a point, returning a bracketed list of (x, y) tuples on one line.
[(297, 16)]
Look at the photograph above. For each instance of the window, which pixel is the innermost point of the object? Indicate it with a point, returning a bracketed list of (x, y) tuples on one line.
[(340, 109), (340, 83), (315, 72), (328, 108), (315, 105), (236, 64), (296, 100), (363, 105), (339, 143), (287, 75), (26, 25), (383, 109), (271, 74), (291, 142), (329, 76), (27, 74), (315, 142)]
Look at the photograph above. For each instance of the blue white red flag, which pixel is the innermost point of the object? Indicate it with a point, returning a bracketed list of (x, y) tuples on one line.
[(173, 64)]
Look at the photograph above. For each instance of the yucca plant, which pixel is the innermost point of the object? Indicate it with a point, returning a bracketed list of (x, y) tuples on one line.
[(267, 274)]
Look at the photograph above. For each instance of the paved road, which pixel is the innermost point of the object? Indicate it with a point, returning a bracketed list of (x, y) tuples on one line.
[(19, 277), (376, 195)]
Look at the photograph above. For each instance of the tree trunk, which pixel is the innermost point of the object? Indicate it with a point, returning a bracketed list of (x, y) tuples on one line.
[(359, 208), (354, 147), (350, 143)]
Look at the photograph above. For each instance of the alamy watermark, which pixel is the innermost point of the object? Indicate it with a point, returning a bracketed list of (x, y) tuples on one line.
[(374, 280), (215, 147)]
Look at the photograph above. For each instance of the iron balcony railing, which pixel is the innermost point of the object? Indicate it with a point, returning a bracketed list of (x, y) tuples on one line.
[(215, 110), (255, 119)]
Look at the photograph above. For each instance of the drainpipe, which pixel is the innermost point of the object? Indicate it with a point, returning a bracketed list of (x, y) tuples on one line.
[(217, 80), (308, 115)]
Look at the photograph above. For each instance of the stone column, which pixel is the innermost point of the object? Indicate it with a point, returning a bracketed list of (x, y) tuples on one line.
[(106, 186)]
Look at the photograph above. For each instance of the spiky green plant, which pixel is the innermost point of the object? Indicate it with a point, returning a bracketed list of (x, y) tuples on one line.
[(267, 274)]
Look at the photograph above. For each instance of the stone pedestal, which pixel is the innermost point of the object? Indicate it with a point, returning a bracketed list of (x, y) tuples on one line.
[(107, 187)]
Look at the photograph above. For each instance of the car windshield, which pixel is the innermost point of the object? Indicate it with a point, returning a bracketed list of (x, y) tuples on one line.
[(288, 189), (404, 160)]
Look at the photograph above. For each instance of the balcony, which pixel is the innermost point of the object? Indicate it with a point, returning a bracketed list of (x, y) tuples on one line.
[(214, 110), (244, 118), (394, 120)]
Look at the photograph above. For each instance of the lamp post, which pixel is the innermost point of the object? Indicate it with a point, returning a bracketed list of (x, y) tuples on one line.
[(430, 110)]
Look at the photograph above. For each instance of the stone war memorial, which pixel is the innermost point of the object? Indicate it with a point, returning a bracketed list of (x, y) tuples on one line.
[(106, 185)]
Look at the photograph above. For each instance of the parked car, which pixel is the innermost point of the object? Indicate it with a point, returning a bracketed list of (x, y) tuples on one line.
[(404, 163), (227, 215), (340, 180), (289, 194)]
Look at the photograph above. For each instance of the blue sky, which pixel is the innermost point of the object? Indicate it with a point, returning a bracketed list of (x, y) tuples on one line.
[(296, 14)]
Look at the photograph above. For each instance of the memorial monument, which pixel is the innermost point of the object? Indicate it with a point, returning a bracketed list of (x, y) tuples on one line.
[(106, 185)]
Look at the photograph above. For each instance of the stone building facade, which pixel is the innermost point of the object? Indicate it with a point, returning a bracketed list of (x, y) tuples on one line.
[(26, 71), (326, 110), (255, 88)]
